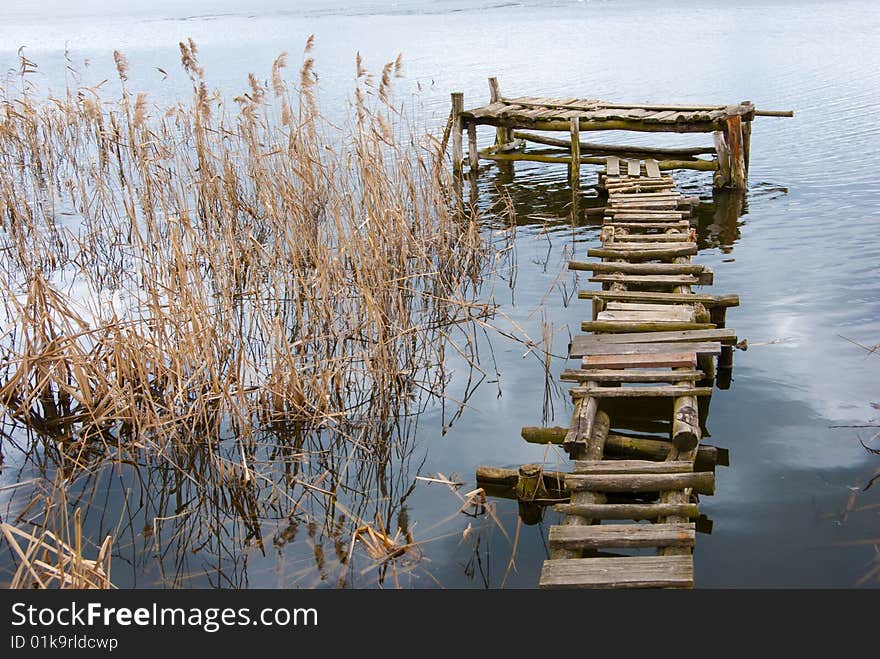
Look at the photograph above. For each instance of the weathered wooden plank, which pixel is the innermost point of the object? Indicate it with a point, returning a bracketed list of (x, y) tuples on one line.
[(723, 335), (646, 280), (681, 225), (619, 572), (652, 168), (702, 482), (646, 306), (620, 237), (707, 300), (662, 252), (644, 360), (633, 467), (637, 246), (670, 391), (639, 268), (590, 346), (581, 425), (633, 167), (612, 374), (622, 536), (648, 195), (640, 326), (668, 315), (634, 511), (612, 166)]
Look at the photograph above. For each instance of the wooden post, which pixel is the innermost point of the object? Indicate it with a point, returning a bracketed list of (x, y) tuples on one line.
[(473, 154), (457, 109), (737, 159), (502, 135), (747, 144), (722, 176), (574, 171), (530, 485)]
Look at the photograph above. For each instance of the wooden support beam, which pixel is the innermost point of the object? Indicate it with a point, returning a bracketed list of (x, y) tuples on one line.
[(665, 165), (737, 159), (473, 152), (575, 165), (632, 467), (457, 151), (594, 148), (686, 423), (721, 178), (503, 135)]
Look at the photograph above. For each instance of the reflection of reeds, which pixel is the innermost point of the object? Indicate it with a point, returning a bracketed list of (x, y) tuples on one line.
[(244, 298)]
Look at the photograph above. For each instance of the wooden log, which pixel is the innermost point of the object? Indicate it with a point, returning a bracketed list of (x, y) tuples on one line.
[(616, 149), (575, 165), (622, 536), (637, 375), (737, 161), (634, 511), (686, 423), (702, 482), (619, 572), (659, 254), (670, 391), (632, 467), (708, 300), (552, 480), (654, 281), (774, 113), (617, 445), (457, 109)]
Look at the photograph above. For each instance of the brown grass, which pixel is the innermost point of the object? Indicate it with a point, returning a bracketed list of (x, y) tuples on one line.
[(178, 277)]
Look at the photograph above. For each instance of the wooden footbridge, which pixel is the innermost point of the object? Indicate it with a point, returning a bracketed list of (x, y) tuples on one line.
[(647, 360)]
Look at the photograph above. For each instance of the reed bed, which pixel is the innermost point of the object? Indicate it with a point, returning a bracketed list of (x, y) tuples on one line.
[(236, 292)]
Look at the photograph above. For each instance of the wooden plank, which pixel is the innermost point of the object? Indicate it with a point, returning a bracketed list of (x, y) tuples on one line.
[(725, 335), (707, 300), (669, 391), (612, 374), (633, 167), (640, 326), (653, 237), (612, 166), (622, 536), (663, 314), (639, 268), (702, 482), (647, 360), (652, 168), (648, 195), (647, 306), (646, 280), (619, 572), (634, 511), (662, 252), (646, 225), (636, 246), (633, 467), (590, 346)]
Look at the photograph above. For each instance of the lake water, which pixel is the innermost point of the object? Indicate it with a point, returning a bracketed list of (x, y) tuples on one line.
[(803, 257)]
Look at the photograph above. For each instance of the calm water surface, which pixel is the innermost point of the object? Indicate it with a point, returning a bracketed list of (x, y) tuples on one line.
[(803, 256)]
